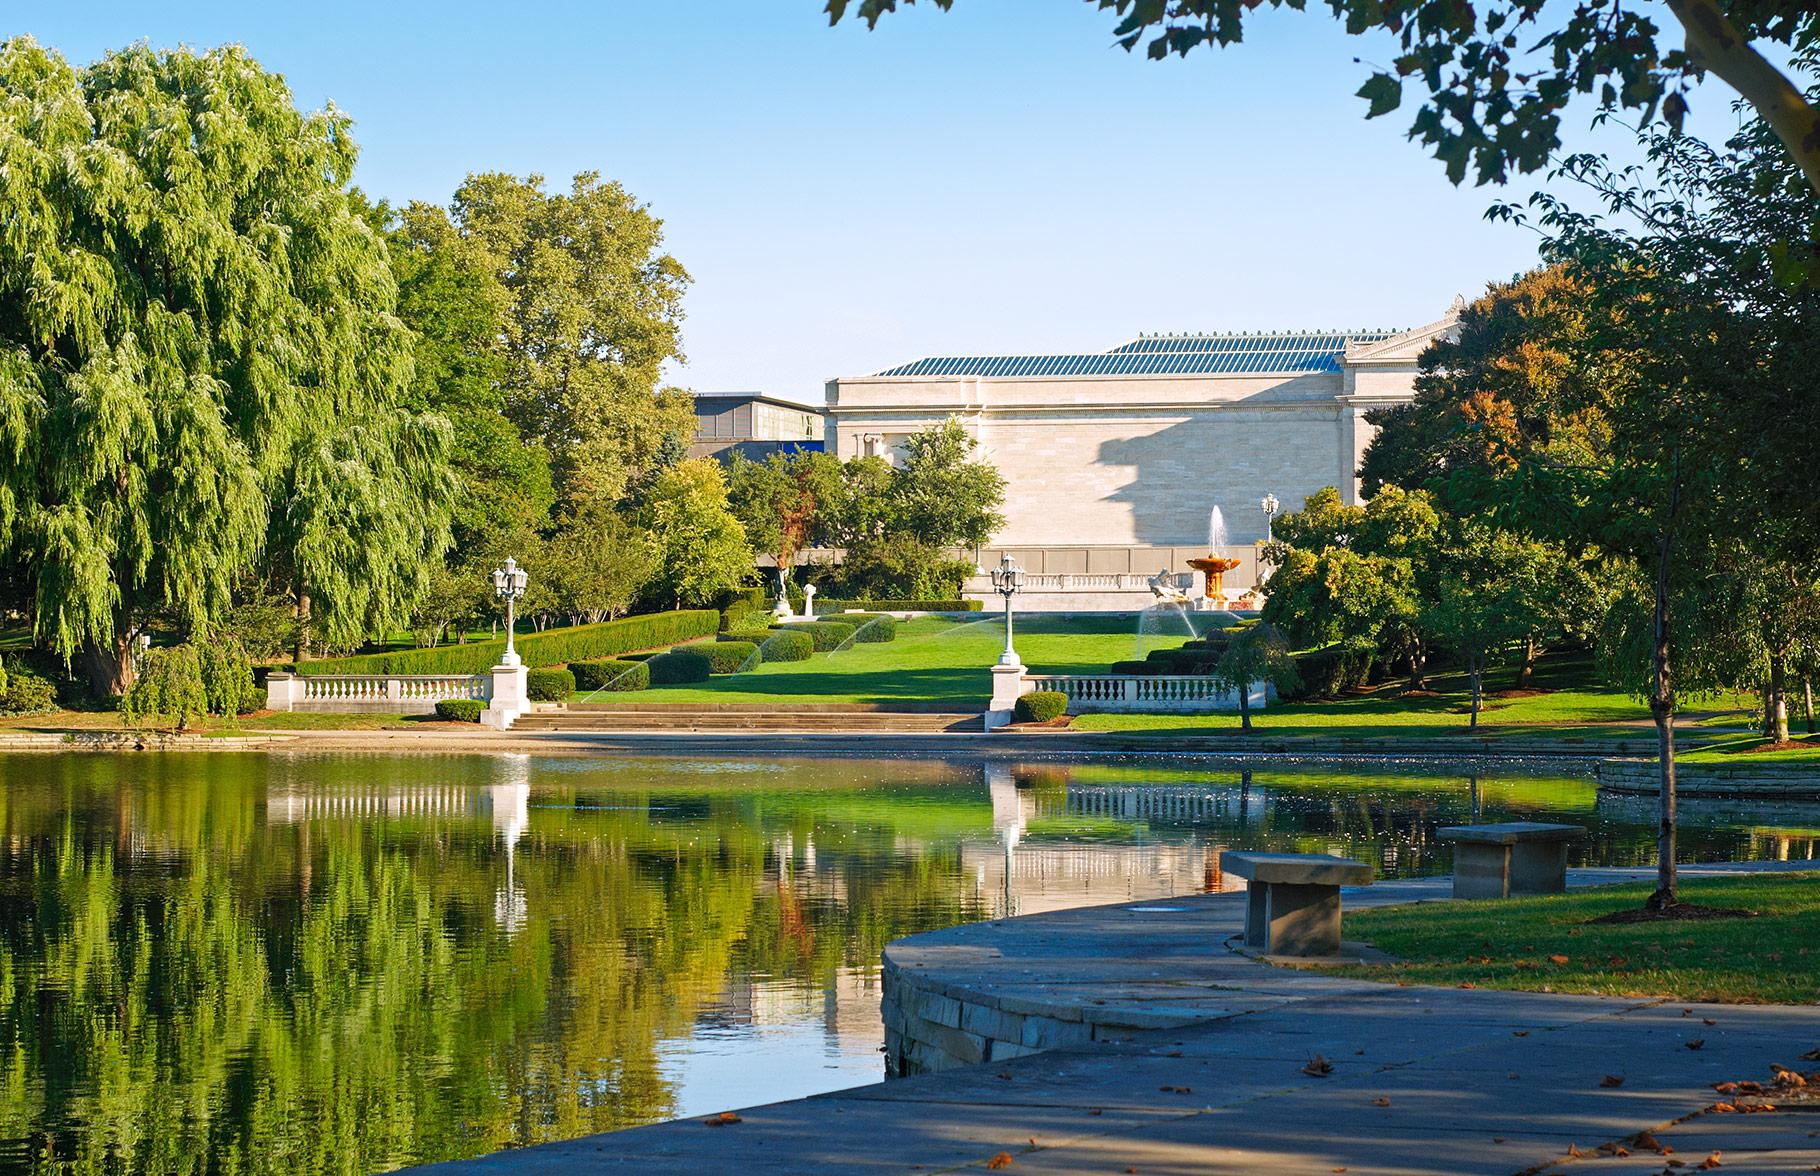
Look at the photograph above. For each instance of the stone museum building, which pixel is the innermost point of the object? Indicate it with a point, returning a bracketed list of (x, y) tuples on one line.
[(1115, 460)]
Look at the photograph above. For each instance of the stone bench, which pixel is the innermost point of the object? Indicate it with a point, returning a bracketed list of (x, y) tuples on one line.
[(1293, 905), (1514, 858)]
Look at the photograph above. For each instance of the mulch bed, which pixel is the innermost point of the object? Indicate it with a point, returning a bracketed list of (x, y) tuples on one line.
[(1785, 745)]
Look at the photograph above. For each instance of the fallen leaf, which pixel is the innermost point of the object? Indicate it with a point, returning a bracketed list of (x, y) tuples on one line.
[(1096, 1110), (1383, 1101), (1708, 1021), (1174, 1053), (1645, 1139), (1519, 1033), (1611, 1080), (1005, 1074), (1497, 1139), (1574, 1152), (1318, 1067), (1176, 1089), (1002, 1160), (1725, 1087), (1557, 958), (722, 1119), (1709, 1162), (1696, 1043), (1812, 1055)]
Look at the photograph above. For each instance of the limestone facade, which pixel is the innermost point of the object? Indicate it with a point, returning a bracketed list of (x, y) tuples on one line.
[(1115, 461)]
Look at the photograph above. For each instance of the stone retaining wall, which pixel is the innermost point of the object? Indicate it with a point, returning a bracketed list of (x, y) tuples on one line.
[(1752, 779), (932, 1026)]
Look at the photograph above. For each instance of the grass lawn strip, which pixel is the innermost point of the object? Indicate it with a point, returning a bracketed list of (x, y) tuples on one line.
[(1550, 945)]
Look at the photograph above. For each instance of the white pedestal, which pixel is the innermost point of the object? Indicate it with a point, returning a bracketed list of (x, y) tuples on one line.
[(508, 698), (1008, 686), (283, 691)]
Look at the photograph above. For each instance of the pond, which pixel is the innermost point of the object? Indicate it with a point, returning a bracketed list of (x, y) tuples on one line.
[(304, 963)]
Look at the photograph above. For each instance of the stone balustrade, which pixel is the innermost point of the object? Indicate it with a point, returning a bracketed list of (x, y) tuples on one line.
[(393, 694), (1143, 693)]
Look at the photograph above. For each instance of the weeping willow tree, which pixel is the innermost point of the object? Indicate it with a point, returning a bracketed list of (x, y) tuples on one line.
[(199, 363)]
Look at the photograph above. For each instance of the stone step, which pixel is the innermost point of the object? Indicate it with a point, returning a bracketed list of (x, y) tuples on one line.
[(718, 720)]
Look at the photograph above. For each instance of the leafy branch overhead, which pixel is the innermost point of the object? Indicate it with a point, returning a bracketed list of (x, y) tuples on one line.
[(1494, 78)]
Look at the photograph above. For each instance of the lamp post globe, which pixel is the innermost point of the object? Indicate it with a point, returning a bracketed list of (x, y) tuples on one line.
[(1271, 506), (1008, 581), (509, 583)]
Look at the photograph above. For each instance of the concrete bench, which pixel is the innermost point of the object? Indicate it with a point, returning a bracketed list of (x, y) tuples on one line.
[(1518, 857), (1293, 906)]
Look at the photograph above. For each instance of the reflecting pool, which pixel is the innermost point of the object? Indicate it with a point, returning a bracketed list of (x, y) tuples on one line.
[(312, 963)]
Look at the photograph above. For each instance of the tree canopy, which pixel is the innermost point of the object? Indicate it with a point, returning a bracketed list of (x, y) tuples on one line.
[(198, 353), (1496, 77)]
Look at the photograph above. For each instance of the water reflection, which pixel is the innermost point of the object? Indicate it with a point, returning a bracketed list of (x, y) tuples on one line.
[(304, 963)]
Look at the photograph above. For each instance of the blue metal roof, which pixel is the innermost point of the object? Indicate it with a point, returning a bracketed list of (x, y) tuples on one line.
[(1163, 355)]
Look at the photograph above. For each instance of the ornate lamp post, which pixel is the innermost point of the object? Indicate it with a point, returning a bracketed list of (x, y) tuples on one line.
[(1008, 581), (1271, 506), (509, 585)]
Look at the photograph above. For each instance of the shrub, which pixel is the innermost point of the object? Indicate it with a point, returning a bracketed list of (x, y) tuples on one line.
[(169, 686), (607, 673), (1135, 667), (727, 657), (869, 628), (901, 605), (549, 684), (1040, 707), (25, 693), (1325, 673), (826, 635), (460, 710), (227, 677), (787, 645), (553, 648), (900, 566), (679, 666)]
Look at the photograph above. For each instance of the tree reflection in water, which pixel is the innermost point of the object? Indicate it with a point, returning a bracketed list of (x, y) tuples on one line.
[(298, 963)]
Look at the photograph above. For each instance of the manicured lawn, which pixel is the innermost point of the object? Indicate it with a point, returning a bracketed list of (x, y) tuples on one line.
[(1547, 944), (1746, 750), (933, 660)]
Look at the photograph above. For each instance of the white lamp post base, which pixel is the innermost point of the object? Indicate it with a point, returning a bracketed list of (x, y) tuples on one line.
[(1008, 685), (508, 698)]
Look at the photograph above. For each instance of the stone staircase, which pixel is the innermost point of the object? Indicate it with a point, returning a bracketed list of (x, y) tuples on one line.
[(855, 719)]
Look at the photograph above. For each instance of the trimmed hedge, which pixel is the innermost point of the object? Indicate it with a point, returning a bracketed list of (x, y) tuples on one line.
[(835, 606), (460, 710), (549, 684), (552, 648), (868, 628), (826, 635), (727, 657), (787, 645), (607, 673), (1326, 673), (1040, 706), (1140, 668), (680, 666)]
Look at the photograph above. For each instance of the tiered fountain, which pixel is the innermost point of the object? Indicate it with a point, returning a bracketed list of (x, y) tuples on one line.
[(1214, 565)]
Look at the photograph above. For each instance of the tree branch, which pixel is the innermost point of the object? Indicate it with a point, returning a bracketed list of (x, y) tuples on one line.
[(1715, 44)]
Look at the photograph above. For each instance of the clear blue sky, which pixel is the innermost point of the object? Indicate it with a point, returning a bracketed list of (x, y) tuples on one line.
[(999, 179)]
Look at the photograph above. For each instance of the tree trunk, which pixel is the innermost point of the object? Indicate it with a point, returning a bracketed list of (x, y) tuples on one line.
[(1715, 44), (109, 664), (1477, 674), (1526, 673), (1662, 709), (1418, 667), (302, 652), (1244, 707), (1775, 700), (1807, 695)]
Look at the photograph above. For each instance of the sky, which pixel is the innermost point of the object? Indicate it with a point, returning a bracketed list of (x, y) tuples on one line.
[(1000, 179)]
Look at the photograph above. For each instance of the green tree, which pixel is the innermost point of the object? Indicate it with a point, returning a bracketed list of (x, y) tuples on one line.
[(945, 493), (700, 548), (1259, 654), (1497, 77), (169, 686), (192, 313), (595, 566), (1479, 607), (592, 311), (781, 501)]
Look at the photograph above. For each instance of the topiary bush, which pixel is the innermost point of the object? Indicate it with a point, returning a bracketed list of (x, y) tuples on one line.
[(607, 673), (1040, 706), (679, 666), (787, 645), (869, 628), (826, 635), (555, 647), (460, 710), (549, 684), (727, 657), (1141, 668)]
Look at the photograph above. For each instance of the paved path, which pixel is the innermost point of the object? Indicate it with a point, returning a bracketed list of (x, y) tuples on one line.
[(1424, 1080)]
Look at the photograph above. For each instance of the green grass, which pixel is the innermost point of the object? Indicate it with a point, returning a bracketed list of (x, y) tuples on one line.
[(298, 721), (1743, 750), (1519, 943), (933, 660)]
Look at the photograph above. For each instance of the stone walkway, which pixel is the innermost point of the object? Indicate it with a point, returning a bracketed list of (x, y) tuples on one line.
[(1422, 1080)]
